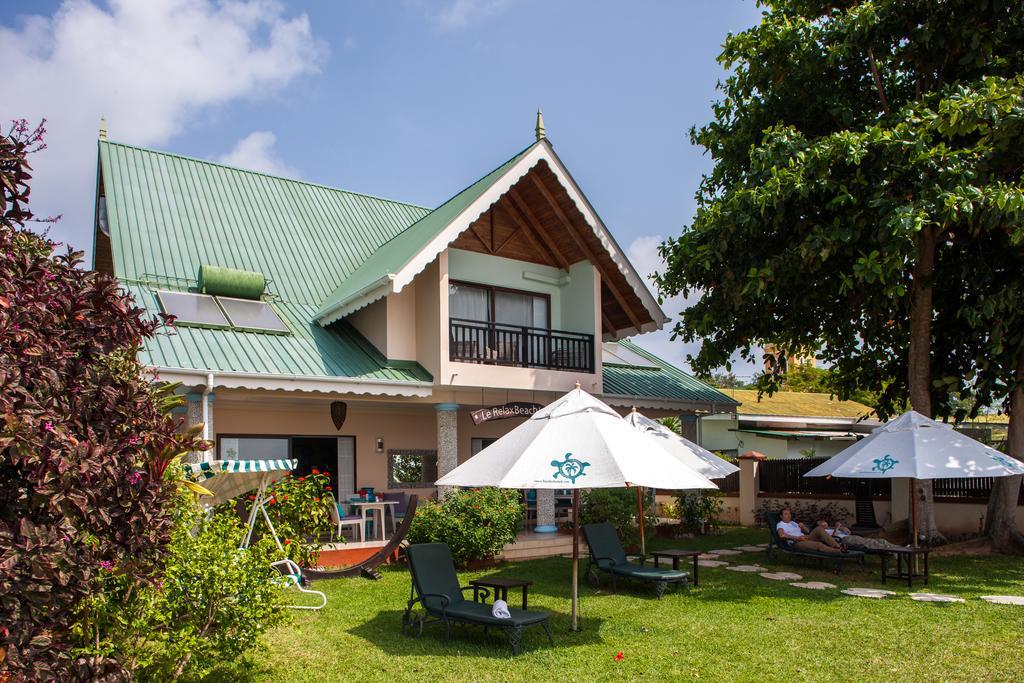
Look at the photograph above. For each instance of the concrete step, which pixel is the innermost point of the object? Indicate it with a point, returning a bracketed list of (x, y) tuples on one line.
[(535, 546)]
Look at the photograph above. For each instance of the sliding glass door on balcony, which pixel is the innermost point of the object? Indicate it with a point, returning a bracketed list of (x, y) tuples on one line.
[(501, 326)]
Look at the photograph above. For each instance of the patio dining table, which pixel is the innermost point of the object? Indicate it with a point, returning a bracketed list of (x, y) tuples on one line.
[(371, 506)]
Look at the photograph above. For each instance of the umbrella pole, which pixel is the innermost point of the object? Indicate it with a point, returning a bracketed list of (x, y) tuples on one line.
[(640, 517), (913, 514), (575, 557)]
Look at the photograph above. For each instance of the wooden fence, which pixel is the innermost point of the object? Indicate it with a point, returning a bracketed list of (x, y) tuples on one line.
[(786, 477)]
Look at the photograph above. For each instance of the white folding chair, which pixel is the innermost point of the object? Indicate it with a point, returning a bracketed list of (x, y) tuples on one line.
[(349, 520)]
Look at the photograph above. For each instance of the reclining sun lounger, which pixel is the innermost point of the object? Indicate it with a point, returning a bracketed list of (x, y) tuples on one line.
[(435, 586), (777, 543), (607, 555)]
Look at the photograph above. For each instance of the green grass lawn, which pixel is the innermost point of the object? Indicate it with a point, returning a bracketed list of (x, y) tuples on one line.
[(733, 627)]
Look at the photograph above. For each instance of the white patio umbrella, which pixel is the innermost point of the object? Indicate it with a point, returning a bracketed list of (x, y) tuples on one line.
[(575, 443), (690, 454), (917, 447)]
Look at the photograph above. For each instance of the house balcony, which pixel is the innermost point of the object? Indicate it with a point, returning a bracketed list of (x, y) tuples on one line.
[(490, 343)]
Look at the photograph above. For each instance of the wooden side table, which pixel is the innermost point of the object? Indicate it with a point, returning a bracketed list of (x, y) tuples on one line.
[(676, 554), (909, 555), (500, 585)]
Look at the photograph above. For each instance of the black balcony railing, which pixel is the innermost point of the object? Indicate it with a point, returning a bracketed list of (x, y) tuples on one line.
[(472, 341)]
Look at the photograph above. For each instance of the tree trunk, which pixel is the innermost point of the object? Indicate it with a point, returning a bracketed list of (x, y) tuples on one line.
[(919, 370), (1001, 518)]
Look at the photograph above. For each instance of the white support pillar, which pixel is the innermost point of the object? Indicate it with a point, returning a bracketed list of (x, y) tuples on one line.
[(750, 486), (447, 442), (546, 511)]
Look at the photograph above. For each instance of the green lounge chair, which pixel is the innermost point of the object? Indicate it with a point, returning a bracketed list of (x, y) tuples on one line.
[(607, 555), (435, 586), (777, 543)]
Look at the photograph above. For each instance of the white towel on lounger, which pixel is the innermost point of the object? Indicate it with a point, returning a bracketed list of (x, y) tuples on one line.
[(500, 610)]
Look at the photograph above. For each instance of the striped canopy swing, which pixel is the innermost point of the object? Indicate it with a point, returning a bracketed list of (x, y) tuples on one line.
[(227, 479)]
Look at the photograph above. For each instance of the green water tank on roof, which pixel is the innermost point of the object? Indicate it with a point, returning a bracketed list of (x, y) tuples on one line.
[(241, 284)]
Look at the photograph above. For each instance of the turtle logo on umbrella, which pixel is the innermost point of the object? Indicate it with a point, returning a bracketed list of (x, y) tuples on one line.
[(1007, 463), (570, 467), (884, 464)]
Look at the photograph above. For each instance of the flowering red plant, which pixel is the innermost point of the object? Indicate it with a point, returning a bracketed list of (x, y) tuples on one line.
[(300, 509)]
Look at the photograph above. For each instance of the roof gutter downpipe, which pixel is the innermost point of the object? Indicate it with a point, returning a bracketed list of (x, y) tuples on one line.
[(207, 390)]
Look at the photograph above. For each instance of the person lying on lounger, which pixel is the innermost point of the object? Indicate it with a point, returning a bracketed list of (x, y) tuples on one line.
[(846, 537), (816, 540)]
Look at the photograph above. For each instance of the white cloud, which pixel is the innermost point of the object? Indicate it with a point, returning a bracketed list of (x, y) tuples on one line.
[(460, 14), (643, 254), (151, 68), (256, 152)]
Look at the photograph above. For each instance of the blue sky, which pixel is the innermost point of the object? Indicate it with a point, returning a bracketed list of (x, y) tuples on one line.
[(408, 99)]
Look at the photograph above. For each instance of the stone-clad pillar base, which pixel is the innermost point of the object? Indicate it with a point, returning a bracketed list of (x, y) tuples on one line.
[(546, 511), (447, 442)]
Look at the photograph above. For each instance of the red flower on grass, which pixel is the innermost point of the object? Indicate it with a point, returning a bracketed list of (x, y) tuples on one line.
[(316, 471), (287, 541), (619, 656)]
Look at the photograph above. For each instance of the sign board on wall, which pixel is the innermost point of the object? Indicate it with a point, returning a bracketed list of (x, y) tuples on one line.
[(505, 411)]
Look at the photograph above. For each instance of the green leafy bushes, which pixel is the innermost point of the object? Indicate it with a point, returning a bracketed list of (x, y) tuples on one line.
[(699, 510), (212, 603), (85, 436), (617, 506), (300, 508), (476, 524)]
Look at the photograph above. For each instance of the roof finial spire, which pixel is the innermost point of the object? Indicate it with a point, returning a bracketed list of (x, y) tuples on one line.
[(539, 130), (103, 128)]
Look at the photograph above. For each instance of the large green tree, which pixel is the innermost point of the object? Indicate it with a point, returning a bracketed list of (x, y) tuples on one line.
[(982, 352), (843, 175)]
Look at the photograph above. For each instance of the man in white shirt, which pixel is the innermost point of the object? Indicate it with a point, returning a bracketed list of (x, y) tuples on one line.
[(818, 540)]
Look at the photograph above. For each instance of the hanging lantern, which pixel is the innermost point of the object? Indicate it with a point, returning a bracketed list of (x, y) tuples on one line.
[(339, 409)]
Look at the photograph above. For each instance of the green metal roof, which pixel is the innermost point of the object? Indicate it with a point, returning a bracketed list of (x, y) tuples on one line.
[(308, 350), (665, 382), (398, 251), (168, 214)]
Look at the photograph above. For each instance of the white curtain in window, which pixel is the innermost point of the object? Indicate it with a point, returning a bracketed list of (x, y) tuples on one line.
[(521, 309), (346, 467), (513, 309), (469, 303), (540, 312)]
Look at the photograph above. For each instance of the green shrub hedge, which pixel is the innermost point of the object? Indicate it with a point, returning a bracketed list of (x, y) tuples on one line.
[(617, 506), (476, 523)]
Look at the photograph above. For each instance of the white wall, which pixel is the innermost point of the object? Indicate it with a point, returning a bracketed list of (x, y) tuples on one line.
[(718, 433)]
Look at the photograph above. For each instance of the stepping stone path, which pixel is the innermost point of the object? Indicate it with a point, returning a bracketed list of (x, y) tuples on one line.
[(711, 563), (868, 592), (746, 568), (724, 551), (934, 597), (749, 548), (707, 556), (762, 546), (781, 576), (813, 585), (1004, 599)]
